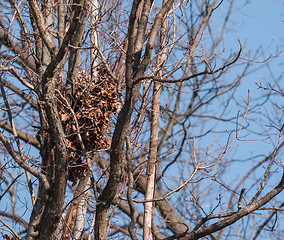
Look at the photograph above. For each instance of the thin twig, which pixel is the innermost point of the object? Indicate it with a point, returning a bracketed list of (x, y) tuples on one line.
[(11, 229), (17, 75)]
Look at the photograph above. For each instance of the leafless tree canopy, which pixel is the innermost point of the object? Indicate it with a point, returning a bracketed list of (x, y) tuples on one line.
[(131, 120)]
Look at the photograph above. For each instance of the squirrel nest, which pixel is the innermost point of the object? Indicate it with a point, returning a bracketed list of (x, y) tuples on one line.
[(93, 104)]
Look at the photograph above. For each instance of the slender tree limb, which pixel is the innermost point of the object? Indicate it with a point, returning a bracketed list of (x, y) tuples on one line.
[(61, 21), (140, 35), (15, 218), (40, 22), (22, 135), (74, 62), (206, 71), (24, 29), (21, 93), (269, 166), (10, 229), (130, 185), (236, 216), (153, 35), (261, 227), (131, 41), (22, 163), (8, 41), (49, 72), (17, 75)]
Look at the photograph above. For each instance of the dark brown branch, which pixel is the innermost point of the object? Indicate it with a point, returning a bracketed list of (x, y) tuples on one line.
[(240, 198), (206, 71), (117, 145), (16, 49), (238, 215), (21, 93), (22, 135)]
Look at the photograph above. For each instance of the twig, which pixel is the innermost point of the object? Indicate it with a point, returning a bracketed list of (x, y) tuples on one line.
[(22, 135), (11, 184), (165, 80), (22, 163), (17, 139), (269, 166), (11, 229), (17, 75), (21, 94)]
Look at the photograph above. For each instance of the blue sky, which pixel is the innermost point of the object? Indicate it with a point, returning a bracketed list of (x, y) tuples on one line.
[(262, 22)]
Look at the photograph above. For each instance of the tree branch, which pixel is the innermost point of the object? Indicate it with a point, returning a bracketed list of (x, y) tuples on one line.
[(6, 38), (39, 20), (22, 163), (238, 215), (21, 93), (22, 135), (17, 75)]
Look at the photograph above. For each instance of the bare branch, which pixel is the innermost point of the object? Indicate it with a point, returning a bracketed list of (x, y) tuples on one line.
[(10, 229), (22, 163), (6, 38), (39, 20), (21, 93), (22, 135), (165, 80), (17, 75), (236, 216)]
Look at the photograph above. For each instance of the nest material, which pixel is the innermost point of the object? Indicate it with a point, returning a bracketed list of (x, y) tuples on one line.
[(94, 103)]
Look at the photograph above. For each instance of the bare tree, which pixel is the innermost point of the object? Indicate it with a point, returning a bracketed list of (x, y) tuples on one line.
[(126, 122)]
